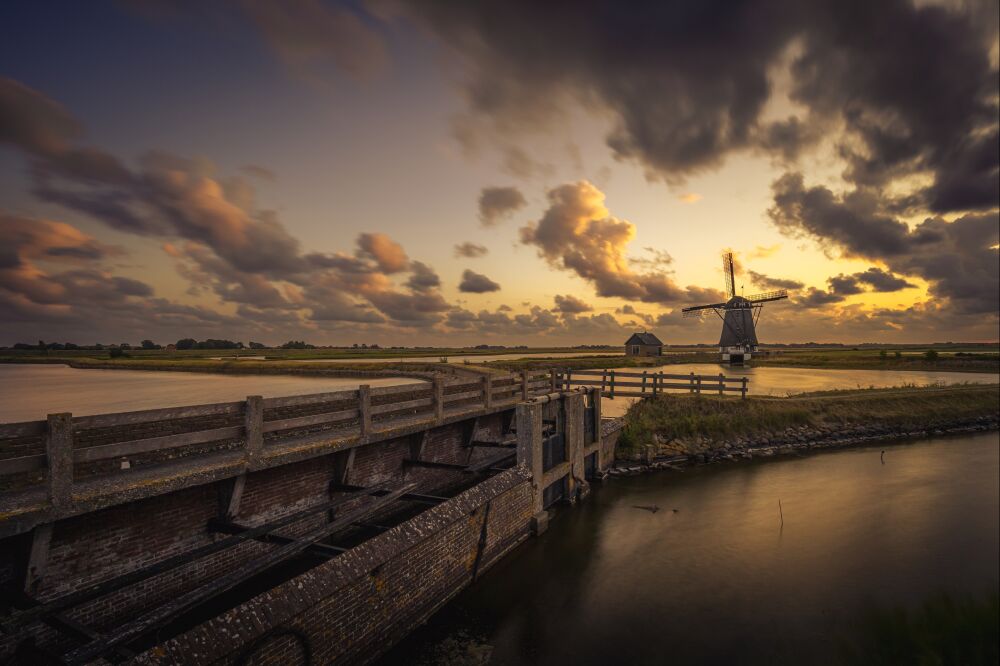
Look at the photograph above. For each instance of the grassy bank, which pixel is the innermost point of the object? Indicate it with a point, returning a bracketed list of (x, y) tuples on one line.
[(681, 417), (874, 359)]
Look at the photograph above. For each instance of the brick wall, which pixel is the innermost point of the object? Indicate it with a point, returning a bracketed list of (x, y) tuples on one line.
[(101, 545), (354, 607)]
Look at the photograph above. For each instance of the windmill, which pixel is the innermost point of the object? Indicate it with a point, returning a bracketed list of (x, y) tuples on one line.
[(739, 316)]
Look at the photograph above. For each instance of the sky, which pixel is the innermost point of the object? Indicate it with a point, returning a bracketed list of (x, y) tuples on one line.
[(430, 173)]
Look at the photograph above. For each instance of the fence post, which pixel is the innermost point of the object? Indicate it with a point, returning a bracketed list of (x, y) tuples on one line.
[(365, 409), (438, 399), (604, 378), (743, 389), (692, 382), (59, 451), (553, 379), (722, 384), (612, 395), (643, 388), (253, 427), (524, 385), (697, 386), (569, 377), (487, 391)]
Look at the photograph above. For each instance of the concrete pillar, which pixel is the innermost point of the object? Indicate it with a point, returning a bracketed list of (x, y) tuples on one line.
[(573, 407), (595, 400), (529, 456), (438, 399), (59, 452)]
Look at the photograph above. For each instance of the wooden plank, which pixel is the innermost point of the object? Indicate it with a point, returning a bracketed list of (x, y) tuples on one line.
[(438, 399), (462, 385), (22, 429), (150, 415), (311, 399), (398, 406), (401, 388), (105, 451), (461, 396), (312, 419), (22, 464)]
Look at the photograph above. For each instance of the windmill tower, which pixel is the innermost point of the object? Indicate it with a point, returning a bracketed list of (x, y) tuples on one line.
[(739, 316)]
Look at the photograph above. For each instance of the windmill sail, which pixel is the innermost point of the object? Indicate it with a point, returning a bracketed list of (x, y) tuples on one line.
[(727, 268)]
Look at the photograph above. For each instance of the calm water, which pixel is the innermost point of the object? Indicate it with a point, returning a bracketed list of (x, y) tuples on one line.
[(29, 392), (785, 381), (722, 581)]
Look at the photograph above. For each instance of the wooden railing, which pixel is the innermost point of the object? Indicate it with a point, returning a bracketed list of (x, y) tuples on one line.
[(64, 449), (646, 384)]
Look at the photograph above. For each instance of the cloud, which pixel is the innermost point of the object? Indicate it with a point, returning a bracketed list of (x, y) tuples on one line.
[(771, 283), (689, 198), (880, 280), (577, 233), (469, 250), (475, 283), (958, 258), (570, 304), (686, 87), (387, 253), (498, 203), (423, 278), (258, 171)]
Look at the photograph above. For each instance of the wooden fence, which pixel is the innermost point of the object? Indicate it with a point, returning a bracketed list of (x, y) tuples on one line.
[(65, 449), (646, 384)]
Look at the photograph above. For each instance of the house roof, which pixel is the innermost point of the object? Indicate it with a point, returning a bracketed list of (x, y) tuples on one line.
[(644, 339)]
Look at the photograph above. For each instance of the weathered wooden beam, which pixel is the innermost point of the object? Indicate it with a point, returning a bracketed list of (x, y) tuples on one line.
[(158, 617), (228, 527), (59, 453), (38, 558), (253, 423), (234, 497), (365, 409)]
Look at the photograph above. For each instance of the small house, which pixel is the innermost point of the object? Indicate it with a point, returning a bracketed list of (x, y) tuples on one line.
[(643, 344)]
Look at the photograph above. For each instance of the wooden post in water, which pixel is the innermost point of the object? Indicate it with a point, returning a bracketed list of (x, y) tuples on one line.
[(365, 409), (253, 427), (438, 399), (59, 451)]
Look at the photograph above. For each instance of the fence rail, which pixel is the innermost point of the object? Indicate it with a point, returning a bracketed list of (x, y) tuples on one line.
[(646, 384), (63, 450)]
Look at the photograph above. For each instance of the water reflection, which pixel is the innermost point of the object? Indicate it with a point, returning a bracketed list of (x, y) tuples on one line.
[(720, 580), (29, 392)]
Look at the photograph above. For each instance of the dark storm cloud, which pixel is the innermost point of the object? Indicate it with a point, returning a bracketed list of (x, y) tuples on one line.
[(498, 203), (570, 304), (767, 282), (880, 280), (959, 258), (423, 277), (476, 283), (686, 83)]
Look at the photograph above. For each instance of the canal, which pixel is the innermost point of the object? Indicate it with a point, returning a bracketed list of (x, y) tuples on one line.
[(717, 576)]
